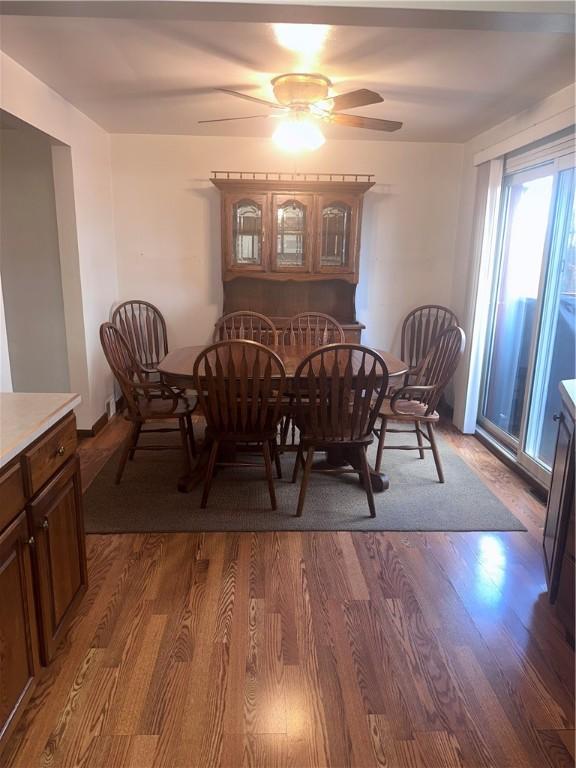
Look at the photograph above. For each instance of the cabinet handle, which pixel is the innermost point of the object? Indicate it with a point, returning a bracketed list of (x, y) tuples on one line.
[(556, 417), (45, 523), (31, 541), (60, 451)]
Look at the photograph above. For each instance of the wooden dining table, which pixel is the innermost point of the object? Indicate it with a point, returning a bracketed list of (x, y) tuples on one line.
[(176, 369)]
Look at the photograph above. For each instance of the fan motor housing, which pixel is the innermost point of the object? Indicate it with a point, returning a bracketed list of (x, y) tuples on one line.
[(300, 89)]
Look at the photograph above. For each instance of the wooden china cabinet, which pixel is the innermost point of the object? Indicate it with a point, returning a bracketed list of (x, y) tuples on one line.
[(291, 242)]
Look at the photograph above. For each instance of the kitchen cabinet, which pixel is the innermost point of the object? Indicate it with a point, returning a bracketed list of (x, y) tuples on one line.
[(43, 572), (19, 650), (559, 527)]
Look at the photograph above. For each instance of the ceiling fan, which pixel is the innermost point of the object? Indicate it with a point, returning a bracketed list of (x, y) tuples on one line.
[(306, 94)]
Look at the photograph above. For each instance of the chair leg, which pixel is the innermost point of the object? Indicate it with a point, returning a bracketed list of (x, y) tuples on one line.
[(419, 438), (130, 441), (191, 438), (435, 452), (209, 474), (297, 463), (268, 465), (381, 438), (276, 454), (284, 431), (135, 437), (366, 480), (185, 445), (305, 478)]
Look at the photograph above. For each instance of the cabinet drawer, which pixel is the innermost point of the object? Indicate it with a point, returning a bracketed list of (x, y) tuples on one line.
[(12, 496), (47, 456)]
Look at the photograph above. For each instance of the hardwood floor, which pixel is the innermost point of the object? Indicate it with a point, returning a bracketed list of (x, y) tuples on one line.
[(403, 650)]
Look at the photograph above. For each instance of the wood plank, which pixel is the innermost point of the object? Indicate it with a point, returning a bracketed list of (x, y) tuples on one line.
[(404, 650)]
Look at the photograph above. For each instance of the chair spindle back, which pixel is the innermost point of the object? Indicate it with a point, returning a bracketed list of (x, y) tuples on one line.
[(313, 329), (439, 366), (144, 328), (339, 389), (420, 329), (240, 385), (245, 325), (124, 365)]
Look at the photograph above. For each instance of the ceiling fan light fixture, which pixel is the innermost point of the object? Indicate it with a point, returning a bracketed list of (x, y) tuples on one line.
[(298, 134)]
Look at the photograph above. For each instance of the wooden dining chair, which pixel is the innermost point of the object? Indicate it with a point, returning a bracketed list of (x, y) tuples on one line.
[(313, 329), (240, 386), (146, 401), (307, 329), (144, 328), (246, 325), (339, 390), (416, 403), (420, 329)]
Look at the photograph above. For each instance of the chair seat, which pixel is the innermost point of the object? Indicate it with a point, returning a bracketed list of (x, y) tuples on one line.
[(411, 410), (159, 408)]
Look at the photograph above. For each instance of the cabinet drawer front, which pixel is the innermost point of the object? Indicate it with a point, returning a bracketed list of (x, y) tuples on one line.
[(12, 496), (18, 641), (47, 456), (60, 556)]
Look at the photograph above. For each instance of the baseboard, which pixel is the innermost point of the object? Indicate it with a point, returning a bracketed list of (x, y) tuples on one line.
[(539, 490), (98, 426)]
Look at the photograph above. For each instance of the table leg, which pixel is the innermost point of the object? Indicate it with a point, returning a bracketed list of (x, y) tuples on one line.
[(339, 457), (195, 477)]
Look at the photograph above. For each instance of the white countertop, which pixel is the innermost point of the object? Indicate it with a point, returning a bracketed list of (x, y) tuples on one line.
[(24, 416)]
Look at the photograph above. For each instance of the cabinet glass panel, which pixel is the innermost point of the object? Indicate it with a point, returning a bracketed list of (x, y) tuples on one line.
[(291, 225), (247, 232), (335, 235)]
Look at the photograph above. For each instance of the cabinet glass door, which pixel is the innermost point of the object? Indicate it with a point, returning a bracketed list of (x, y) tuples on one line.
[(247, 233), (337, 225), (335, 235), (292, 221)]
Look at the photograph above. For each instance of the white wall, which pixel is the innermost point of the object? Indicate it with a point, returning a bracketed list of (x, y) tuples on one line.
[(5, 373), (95, 285), (167, 220), (30, 264)]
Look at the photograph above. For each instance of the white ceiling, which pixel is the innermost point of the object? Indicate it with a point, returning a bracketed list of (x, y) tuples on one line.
[(446, 75)]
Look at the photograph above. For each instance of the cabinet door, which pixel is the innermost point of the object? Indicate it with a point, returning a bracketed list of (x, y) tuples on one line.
[(18, 634), (292, 233), (59, 554), (245, 232), (337, 238), (556, 502)]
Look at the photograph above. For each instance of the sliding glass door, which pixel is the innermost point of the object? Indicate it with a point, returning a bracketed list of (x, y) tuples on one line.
[(555, 352), (531, 341)]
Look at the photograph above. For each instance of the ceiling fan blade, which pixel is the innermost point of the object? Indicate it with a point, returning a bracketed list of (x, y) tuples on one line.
[(360, 98), (227, 119), (356, 121), (250, 98)]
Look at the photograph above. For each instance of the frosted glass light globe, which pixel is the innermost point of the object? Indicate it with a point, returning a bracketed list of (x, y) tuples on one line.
[(298, 134)]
